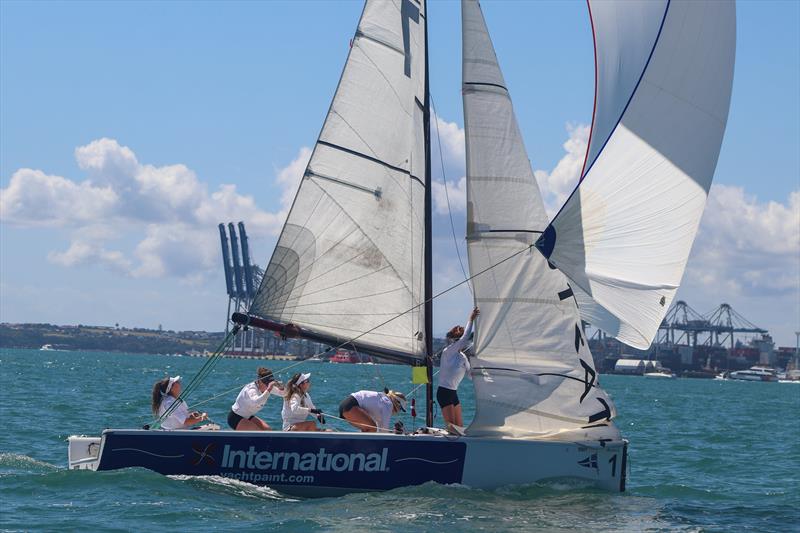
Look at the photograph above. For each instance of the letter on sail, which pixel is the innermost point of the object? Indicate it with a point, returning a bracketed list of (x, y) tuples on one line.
[(664, 76), (350, 255), (533, 371)]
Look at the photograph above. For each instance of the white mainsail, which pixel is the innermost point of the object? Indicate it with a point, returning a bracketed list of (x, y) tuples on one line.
[(350, 255), (664, 77), (533, 372)]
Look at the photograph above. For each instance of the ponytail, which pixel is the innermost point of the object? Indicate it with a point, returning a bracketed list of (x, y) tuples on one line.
[(159, 390)]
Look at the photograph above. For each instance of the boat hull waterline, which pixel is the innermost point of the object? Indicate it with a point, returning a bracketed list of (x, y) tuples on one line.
[(329, 464)]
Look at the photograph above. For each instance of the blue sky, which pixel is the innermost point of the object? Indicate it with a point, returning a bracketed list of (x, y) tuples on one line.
[(203, 97)]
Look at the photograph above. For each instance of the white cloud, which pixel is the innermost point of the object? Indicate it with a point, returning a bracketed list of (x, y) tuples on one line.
[(750, 248), (289, 177), (453, 144), (559, 183), (166, 208), (457, 193), (34, 198)]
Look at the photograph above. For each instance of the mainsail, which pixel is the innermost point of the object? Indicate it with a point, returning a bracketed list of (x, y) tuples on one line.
[(664, 75), (533, 371), (350, 256)]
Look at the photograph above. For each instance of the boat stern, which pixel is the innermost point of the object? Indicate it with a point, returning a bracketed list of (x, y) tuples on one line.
[(83, 452)]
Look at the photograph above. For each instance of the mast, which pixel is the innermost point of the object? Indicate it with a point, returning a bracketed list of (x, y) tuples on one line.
[(426, 121)]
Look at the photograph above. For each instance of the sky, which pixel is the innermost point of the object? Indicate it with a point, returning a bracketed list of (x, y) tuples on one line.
[(129, 130)]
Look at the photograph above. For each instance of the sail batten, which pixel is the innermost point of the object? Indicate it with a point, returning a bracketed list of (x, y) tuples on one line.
[(532, 371), (352, 248), (664, 78)]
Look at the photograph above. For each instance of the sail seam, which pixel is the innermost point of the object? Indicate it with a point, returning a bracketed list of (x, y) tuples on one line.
[(369, 158), (486, 84), (538, 374), (508, 179), (362, 35), (391, 177)]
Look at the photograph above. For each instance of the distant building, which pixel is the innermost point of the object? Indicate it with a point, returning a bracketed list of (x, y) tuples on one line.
[(633, 366)]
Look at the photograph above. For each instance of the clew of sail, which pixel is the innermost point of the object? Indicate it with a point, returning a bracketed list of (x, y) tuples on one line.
[(533, 372), (350, 255), (664, 76)]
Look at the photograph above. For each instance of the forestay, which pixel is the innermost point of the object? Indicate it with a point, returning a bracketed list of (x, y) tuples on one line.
[(533, 372), (350, 255), (664, 76)]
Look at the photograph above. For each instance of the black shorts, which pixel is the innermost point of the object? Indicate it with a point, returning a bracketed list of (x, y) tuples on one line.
[(347, 404), (447, 397), (234, 419)]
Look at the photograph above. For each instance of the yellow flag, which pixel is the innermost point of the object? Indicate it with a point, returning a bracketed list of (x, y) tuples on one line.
[(419, 374)]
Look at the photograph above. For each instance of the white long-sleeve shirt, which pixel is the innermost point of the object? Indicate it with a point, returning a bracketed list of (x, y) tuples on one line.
[(454, 364), (250, 400), (176, 419), (296, 409), (377, 405)]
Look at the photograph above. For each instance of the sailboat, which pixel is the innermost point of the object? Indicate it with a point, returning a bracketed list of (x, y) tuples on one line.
[(352, 266)]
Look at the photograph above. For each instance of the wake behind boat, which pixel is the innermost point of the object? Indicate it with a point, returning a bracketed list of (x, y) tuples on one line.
[(353, 264)]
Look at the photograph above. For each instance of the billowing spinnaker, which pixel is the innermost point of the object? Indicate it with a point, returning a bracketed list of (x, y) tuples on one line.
[(533, 372), (625, 234), (350, 255)]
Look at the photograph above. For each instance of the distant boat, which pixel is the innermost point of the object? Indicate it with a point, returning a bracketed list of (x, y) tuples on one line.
[(46, 348), (344, 356), (662, 373), (756, 373)]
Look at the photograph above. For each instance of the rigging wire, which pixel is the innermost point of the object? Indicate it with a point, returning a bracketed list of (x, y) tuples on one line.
[(208, 366), (447, 195)]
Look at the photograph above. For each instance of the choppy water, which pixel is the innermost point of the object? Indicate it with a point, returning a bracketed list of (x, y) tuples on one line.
[(704, 456)]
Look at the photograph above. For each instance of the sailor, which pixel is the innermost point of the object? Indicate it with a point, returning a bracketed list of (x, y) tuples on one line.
[(297, 405), (454, 365), (371, 411), (252, 397), (165, 394)]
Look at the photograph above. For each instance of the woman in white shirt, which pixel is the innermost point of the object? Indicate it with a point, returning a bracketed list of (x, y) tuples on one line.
[(371, 411), (454, 365), (252, 397), (297, 405), (165, 394)]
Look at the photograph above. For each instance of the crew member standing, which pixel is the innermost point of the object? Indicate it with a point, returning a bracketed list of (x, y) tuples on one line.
[(454, 365)]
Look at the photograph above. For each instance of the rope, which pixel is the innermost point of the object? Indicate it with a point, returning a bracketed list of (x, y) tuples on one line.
[(185, 392), (204, 371), (447, 195)]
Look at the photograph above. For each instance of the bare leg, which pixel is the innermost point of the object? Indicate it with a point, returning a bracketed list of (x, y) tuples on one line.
[(359, 419), (308, 425), (256, 424), (448, 413), (459, 419)]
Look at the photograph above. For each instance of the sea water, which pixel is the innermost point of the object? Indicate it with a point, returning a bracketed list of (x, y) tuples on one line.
[(705, 455)]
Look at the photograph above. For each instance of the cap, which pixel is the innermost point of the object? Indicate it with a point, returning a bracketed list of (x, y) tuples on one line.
[(303, 378), (398, 400), (171, 383)]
